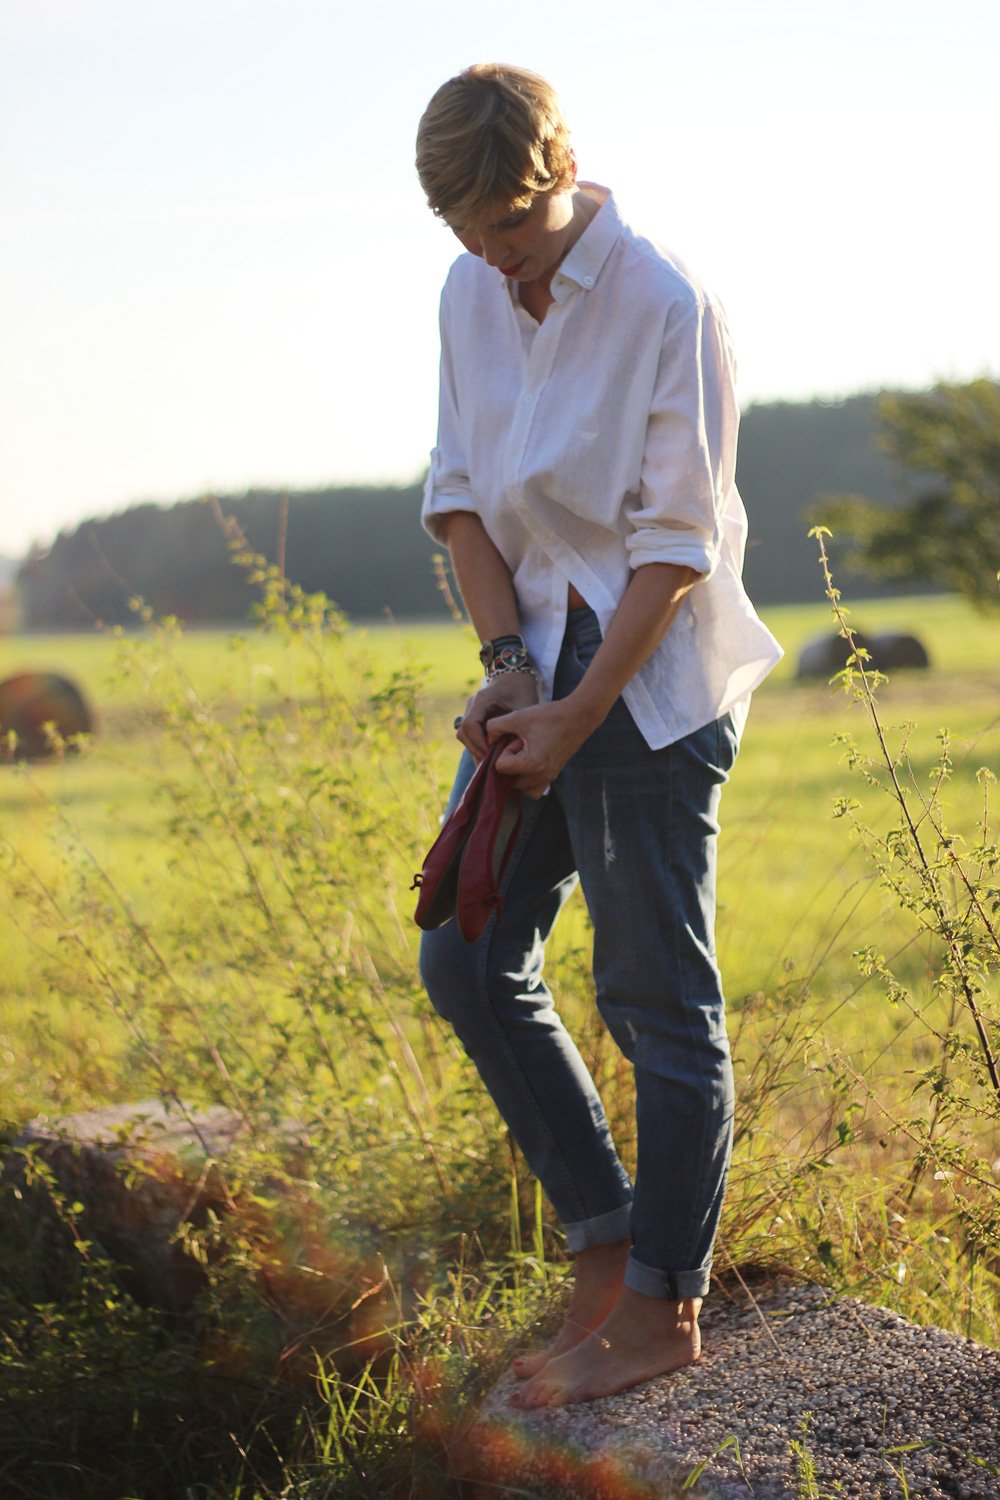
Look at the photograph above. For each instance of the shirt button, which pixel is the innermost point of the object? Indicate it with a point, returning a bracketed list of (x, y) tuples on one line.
[(588, 281)]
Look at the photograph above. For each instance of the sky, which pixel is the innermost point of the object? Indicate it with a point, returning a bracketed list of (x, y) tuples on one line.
[(217, 269)]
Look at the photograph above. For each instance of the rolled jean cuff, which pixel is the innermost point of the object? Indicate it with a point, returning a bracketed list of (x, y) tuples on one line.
[(675, 1286), (606, 1229)]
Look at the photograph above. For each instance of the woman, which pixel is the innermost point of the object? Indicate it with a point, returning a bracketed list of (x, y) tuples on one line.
[(583, 482)]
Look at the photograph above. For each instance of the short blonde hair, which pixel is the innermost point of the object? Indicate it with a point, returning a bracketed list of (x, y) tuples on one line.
[(492, 135)]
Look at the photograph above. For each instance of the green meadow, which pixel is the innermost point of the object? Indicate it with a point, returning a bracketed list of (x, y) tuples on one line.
[(211, 902), (796, 893)]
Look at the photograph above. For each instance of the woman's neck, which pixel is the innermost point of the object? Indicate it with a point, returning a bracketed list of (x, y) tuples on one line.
[(536, 296)]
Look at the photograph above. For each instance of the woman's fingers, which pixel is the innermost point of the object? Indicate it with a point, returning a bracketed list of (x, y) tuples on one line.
[(529, 760), (548, 735), (472, 733), (510, 691)]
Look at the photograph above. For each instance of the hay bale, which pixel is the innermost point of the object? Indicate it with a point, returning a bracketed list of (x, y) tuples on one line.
[(29, 703), (893, 649), (826, 655)]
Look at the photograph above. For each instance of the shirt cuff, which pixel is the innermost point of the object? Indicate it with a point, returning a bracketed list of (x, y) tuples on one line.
[(441, 497), (443, 505), (687, 549)]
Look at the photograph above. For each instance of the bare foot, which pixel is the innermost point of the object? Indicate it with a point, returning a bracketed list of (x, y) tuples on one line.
[(642, 1337), (598, 1277)]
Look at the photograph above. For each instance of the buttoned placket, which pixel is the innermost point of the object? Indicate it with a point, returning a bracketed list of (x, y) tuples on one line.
[(541, 356), (541, 347)]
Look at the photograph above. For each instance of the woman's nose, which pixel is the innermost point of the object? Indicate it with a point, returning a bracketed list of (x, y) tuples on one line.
[(492, 249)]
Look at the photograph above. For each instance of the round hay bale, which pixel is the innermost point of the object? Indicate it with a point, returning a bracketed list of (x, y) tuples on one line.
[(31, 701), (825, 655), (892, 649)]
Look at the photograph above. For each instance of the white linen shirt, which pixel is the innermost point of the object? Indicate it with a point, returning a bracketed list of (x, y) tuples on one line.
[(600, 440)]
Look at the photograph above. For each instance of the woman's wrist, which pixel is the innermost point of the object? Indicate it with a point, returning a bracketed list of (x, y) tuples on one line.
[(592, 699), (484, 579), (587, 709)]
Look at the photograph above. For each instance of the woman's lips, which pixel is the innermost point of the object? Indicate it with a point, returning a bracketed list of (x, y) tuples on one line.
[(512, 270)]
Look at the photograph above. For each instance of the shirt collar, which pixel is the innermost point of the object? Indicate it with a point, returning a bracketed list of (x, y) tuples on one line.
[(583, 264)]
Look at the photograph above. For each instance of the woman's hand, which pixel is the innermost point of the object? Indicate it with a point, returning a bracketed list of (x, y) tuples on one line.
[(548, 735), (509, 690)]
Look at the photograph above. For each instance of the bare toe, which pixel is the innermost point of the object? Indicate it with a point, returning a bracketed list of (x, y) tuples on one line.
[(537, 1392), (530, 1364)]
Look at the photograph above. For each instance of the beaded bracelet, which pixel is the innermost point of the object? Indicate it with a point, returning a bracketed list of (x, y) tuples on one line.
[(489, 649), (507, 653), (509, 659)]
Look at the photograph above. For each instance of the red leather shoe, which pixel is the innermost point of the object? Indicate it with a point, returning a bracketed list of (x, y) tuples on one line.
[(487, 850), (464, 867)]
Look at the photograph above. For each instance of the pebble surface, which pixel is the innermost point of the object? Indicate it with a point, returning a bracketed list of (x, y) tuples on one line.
[(879, 1407)]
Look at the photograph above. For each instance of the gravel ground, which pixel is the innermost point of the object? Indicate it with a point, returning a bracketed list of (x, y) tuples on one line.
[(882, 1409)]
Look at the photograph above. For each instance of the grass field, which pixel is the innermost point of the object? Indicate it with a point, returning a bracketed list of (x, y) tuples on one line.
[(213, 899), (796, 894)]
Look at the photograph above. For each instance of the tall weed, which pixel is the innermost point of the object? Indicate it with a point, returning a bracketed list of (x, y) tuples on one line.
[(943, 1118)]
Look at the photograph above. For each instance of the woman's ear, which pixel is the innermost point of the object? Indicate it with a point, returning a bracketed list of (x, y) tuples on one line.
[(572, 162)]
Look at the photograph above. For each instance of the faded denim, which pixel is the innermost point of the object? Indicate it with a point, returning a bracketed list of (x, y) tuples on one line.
[(638, 828)]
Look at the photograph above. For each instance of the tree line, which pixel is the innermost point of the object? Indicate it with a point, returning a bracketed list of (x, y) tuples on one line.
[(886, 469)]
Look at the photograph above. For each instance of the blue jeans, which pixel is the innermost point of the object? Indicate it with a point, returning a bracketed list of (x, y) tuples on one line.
[(638, 828)]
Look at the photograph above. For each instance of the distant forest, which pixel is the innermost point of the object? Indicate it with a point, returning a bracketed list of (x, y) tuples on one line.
[(365, 549)]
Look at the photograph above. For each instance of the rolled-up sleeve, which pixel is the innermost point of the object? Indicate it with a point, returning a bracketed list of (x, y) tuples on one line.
[(447, 488), (689, 459)]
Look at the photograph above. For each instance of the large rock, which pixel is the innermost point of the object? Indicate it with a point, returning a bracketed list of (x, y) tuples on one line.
[(135, 1181), (867, 1395), (139, 1172)]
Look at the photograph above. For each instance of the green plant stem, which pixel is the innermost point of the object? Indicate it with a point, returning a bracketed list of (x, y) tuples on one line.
[(929, 880)]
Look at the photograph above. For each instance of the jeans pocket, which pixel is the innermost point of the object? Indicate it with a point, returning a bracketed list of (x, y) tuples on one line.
[(586, 640), (728, 743), (580, 645), (585, 651)]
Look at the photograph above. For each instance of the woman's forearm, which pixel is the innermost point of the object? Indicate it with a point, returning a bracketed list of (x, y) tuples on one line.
[(648, 608), (646, 612), (551, 733), (484, 579), (487, 588)]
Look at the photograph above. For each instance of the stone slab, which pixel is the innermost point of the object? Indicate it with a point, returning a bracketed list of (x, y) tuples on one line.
[(140, 1171), (881, 1407)]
